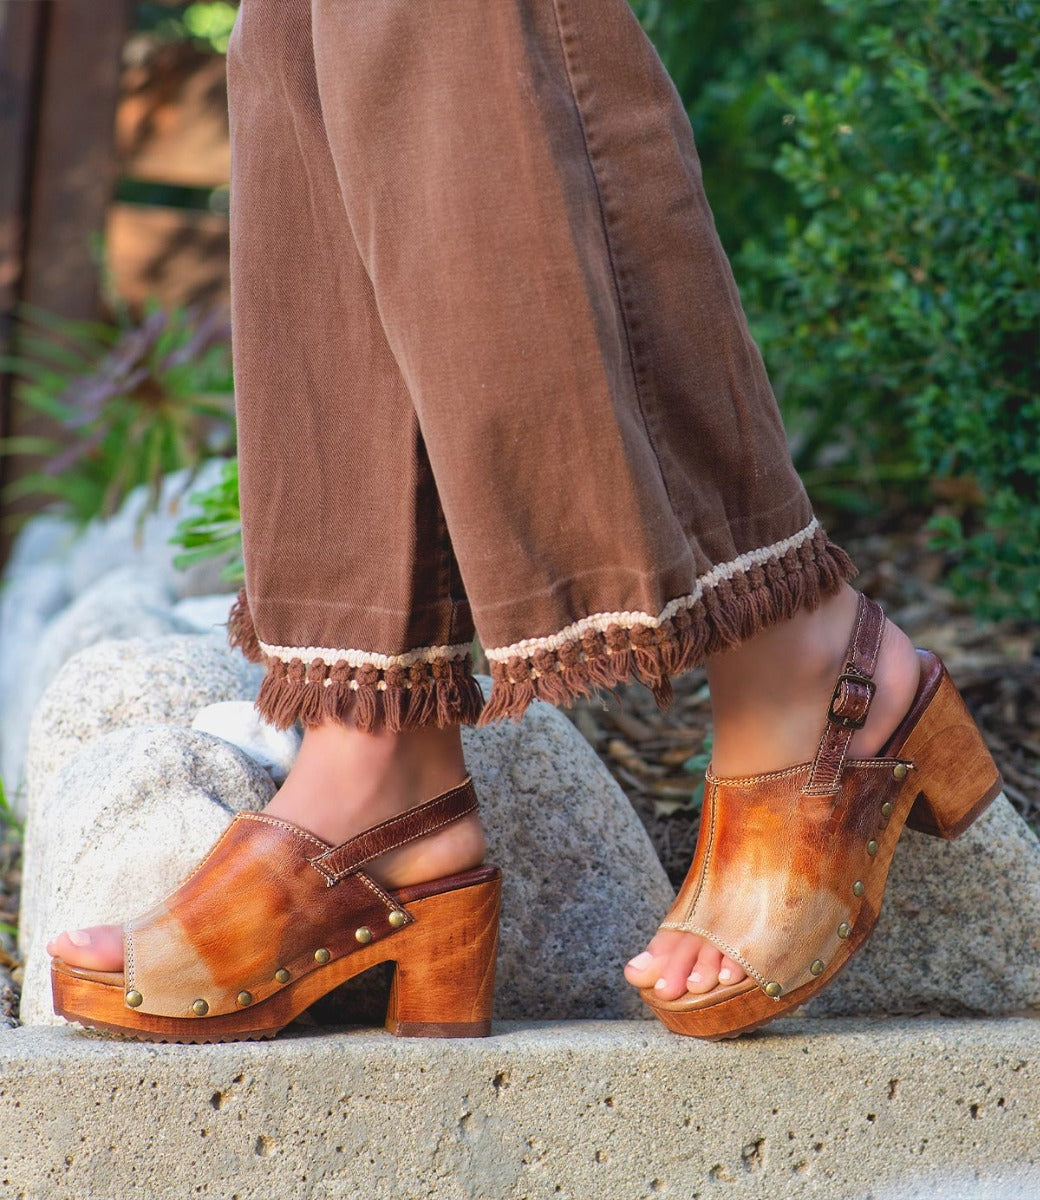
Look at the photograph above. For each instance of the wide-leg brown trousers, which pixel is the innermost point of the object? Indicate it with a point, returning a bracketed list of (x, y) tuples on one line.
[(491, 367)]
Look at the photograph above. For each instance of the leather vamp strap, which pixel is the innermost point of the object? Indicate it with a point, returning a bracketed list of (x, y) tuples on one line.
[(850, 702)]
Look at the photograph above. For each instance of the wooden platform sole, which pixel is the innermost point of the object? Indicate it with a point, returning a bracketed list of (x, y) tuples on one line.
[(443, 984)]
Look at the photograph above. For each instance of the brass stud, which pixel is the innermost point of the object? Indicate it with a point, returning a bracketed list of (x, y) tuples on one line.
[(322, 956), (134, 999), (857, 888), (772, 990), (245, 999), (363, 935), (397, 918), (844, 929), (200, 1008), (900, 771), (886, 809), (816, 968), (872, 847), (282, 975)]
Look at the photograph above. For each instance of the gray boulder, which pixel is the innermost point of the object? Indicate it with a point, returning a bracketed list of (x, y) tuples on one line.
[(114, 685), (582, 885), (121, 818), (959, 931), (129, 539)]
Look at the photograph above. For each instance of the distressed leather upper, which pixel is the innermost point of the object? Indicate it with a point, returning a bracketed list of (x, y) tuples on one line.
[(265, 899)]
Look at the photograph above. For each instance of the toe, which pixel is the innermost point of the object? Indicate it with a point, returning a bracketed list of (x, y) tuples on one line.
[(704, 974), (730, 972), (645, 969), (97, 949)]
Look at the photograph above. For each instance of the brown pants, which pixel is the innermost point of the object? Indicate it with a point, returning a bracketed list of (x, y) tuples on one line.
[(491, 367)]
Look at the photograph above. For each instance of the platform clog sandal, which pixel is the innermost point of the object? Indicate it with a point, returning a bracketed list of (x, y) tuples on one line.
[(790, 866), (274, 918)]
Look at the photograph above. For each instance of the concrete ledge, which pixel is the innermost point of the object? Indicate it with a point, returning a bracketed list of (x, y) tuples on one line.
[(849, 1110)]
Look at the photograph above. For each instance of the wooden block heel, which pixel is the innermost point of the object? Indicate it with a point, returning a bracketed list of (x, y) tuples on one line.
[(954, 771), (443, 985), (274, 918)]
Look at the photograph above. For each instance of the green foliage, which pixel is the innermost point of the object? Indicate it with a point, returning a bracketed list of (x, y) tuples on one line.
[(905, 305), (207, 22), (720, 56), (135, 401), (215, 529)]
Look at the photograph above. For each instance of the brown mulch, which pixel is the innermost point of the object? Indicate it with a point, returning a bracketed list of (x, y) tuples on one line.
[(658, 758)]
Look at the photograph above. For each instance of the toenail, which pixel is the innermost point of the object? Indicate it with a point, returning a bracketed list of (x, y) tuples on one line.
[(660, 985), (694, 977), (79, 937), (641, 960), (725, 974)]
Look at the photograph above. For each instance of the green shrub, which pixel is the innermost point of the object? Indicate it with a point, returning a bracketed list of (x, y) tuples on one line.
[(215, 529), (908, 305), (134, 401)]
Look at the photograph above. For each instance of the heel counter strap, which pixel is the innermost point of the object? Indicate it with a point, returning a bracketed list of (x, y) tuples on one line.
[(350, 856), (850, 703)]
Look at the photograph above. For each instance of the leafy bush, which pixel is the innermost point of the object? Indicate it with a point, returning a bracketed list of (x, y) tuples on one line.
[(134, 401), (907, 310), (206, 22), (216, 528)]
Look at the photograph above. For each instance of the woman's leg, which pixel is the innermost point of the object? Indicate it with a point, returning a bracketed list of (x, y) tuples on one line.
[(355, 600)]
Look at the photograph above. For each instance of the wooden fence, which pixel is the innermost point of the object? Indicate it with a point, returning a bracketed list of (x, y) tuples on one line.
[(83, 105)]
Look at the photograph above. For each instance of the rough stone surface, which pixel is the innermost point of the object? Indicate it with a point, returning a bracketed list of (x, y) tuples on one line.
[(959, 930), (126, 540), (121, 604), (114, 684), (238, 722), (582, 884), (111, 828), (885, 1110), (29, 600)]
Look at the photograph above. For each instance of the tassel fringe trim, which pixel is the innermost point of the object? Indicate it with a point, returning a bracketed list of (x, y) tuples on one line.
[(732, 607), (413, 690), (435, 686)]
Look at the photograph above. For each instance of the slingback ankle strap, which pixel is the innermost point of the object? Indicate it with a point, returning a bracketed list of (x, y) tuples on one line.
[(350, 856), (851, 700)]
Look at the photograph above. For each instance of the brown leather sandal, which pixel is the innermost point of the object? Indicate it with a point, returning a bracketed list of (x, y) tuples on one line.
[(791, 866), (274, 918)]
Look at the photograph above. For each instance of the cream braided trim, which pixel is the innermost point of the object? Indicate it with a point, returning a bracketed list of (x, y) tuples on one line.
[(603, 621), (362, 658)]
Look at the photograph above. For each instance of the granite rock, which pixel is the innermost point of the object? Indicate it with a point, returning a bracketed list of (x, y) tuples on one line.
[(238, 722), (131, 539), (959, 931), (29, 600), (113, 685), (125, 820), (205, 614), (582, 885)]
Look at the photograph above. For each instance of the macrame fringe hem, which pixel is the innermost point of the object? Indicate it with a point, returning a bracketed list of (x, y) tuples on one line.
[(441, 692), (723, 616), (444, 692)]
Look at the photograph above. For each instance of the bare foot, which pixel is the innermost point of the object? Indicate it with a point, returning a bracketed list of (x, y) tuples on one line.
[(342, 783), (769, 696)]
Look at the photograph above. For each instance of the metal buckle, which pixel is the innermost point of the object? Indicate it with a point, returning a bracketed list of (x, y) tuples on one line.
[(850, 722)]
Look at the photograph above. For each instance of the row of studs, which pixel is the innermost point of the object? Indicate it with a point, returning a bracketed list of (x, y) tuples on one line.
[(817, 966), (200, 1008)]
